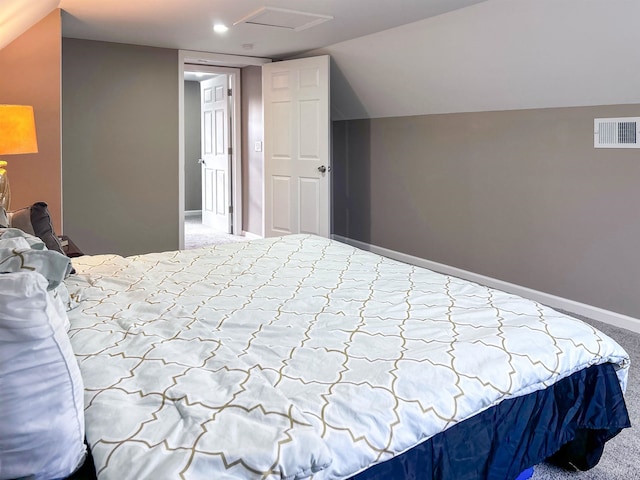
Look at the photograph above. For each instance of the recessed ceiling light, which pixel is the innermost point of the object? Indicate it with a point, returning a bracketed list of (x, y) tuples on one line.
[(220, 28)]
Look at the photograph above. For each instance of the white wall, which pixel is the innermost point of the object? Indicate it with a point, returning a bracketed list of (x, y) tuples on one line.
[(496, 55)]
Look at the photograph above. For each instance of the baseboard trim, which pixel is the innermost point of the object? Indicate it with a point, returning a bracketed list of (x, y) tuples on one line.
[(192, 213), (251, 236), (590, 311)]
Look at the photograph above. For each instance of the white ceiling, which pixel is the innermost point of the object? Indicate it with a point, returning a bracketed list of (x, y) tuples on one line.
[(496, 55), (444, 55), (187, 24), (17, 16)]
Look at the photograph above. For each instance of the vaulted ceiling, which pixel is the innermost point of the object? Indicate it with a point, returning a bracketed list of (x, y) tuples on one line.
[(188, 24), (394, 57)]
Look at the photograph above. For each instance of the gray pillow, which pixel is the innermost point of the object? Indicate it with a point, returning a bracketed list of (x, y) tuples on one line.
[(35, 220)]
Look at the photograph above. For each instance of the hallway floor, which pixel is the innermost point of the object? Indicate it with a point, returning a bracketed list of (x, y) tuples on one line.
[(197, 235)]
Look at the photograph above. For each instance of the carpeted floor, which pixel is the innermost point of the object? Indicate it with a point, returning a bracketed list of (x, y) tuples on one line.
[(197, 235)]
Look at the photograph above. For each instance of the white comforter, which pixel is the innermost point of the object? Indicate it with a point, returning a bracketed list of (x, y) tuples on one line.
[(298, 356)]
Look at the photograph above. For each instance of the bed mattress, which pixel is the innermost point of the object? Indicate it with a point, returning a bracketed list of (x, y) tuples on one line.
[(299, 357)]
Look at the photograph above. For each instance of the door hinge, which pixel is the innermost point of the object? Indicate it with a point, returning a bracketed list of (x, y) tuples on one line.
[(229, 91), (230, 208), (230, 151)]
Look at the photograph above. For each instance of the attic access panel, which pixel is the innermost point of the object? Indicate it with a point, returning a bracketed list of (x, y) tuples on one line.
[(284, 18)]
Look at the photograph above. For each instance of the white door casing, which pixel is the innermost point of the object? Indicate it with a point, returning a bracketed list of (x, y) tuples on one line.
[(204, 62), (216, 191), (296, 146)]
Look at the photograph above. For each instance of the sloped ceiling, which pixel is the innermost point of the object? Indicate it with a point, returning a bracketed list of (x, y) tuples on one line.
[(17, 16), (489, 55), (188, 25), (495, 55)]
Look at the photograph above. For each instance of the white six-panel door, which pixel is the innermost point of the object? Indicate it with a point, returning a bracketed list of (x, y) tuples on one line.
[(216, 191), (296, 146)]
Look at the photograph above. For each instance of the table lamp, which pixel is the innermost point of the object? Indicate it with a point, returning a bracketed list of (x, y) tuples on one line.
[(17, 135)]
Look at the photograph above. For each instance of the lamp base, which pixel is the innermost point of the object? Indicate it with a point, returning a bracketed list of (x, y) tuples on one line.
[(5, 190)]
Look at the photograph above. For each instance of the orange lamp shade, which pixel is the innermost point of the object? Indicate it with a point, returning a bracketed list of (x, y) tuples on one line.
[(17, 130)]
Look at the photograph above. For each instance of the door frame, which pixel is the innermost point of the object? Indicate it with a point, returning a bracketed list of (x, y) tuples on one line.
[(214, 63)]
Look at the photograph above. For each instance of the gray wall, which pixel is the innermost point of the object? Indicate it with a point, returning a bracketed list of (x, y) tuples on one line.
[(192, 150), (517, 194), (120, 146), (520, 195), (252, 161)]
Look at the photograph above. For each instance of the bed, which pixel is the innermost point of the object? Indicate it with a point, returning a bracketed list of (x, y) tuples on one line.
[(302, 357)]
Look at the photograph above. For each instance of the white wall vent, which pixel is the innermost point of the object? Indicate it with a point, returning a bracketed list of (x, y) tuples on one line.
[(616, 132)]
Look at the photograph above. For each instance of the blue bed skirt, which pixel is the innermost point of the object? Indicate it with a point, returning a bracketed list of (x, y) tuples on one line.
[(567, 423)]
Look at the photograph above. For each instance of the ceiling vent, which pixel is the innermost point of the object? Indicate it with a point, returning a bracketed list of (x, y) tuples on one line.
[(284, 18), (616, 132)]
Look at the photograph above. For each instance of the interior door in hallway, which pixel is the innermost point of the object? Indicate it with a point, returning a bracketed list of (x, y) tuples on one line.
[(215, 159)]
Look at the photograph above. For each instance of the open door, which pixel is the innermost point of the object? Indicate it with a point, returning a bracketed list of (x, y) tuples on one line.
[(216, 156), (296, 145)]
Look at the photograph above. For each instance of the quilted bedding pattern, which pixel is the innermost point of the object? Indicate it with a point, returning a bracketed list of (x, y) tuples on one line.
[(298, 356)]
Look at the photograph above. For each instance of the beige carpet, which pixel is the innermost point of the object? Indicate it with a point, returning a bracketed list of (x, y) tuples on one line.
[(197, 235)]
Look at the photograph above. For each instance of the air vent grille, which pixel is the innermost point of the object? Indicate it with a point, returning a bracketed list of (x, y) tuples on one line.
[(616, 132)]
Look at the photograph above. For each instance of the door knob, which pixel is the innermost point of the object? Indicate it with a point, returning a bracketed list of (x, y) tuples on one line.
[(322, 169), (201, 161)]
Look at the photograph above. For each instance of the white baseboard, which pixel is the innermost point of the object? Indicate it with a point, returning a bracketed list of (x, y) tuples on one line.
[(192, 213), (251, 236), (596, 313)]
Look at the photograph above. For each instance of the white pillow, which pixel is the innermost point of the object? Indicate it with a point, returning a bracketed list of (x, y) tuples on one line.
[(42, 413), (19, 254)]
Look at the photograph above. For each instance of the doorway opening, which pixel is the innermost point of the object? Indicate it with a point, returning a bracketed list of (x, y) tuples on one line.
[(211, 186), (210, 65), (208, 150)]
